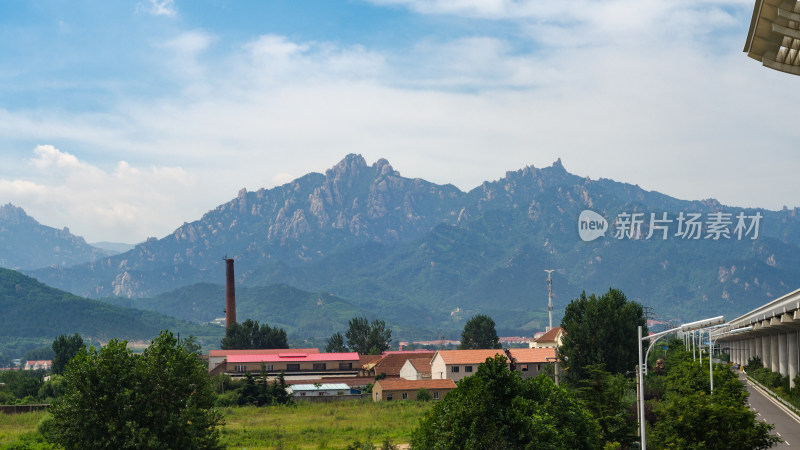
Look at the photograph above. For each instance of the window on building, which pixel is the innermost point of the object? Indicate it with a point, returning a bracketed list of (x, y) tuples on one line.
[(321, 393), (319, 366), (467, 368), (377, 396), (240, 368), (268, 367), (538, 367), (454, 369), (302, 394), (436, 395), (405, 395), (292, 367), (345, 366), (389, 396), (524, 367)]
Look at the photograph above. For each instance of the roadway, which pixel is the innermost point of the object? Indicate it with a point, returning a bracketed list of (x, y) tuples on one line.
[(769, 410)]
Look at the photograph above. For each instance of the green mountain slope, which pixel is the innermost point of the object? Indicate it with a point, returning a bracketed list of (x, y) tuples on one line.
[(304, 315), (30, 309)]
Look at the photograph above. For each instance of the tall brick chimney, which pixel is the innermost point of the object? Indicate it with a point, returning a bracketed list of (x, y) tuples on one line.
[(230, 294)]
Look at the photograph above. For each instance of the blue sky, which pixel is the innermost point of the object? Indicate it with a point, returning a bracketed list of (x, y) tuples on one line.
[(122, 120)]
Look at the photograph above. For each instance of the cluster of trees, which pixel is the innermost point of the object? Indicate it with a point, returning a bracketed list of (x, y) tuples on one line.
[(249, 335), (252, 390), (113, 398), (595, 407), (28, 386), (684, 414), (497, 408), (362, 337)]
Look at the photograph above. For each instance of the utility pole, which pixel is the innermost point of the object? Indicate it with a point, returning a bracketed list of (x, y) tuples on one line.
[(550, 296)]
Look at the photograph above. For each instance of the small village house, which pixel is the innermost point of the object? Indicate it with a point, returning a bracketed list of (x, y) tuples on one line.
[(551, 339), (416, 369), (399, 389), (530, 362), (458, 364), (216, 357)]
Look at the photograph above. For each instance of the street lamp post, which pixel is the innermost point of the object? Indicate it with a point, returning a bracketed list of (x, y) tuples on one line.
[(685, 328)]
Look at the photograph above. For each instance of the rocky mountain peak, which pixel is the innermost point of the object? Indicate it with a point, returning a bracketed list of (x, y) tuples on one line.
[(351, 166), (383, 168), (15, 215)]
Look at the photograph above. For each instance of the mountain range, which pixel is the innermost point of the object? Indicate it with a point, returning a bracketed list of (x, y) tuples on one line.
[(27, 244), (425, 256)]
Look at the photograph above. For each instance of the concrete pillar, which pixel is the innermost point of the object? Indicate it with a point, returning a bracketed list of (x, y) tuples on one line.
[(738, 346), (765, 351), (758, 352), (753, 349), (783, 356), (793, 357), (774, 356)]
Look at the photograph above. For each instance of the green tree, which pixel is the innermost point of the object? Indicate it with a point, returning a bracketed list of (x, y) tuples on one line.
[(701, 421), (64, 348), (336, 344), (368, 339), (604, 395), (249, 335), (479, 333), (115, 399), (191, 345), (600, 330), (496, 408), (41, 353)]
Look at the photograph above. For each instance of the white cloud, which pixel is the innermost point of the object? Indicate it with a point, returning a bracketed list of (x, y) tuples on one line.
[(159, 8), (106, 205), (651, 93)]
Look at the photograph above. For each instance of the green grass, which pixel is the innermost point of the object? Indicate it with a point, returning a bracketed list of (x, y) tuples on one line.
[(321, 425), (13, 426), (306, 425)]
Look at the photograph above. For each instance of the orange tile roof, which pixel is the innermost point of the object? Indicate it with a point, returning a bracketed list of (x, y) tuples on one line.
[(551, 335), (398, 384), (393, 362), (532, 355), (469, 356), (368, 360), (423, 365), (265, 351)]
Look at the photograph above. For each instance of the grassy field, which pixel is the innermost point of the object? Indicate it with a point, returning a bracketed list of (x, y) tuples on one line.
[(321, 425), (13, 426), (306, 425)]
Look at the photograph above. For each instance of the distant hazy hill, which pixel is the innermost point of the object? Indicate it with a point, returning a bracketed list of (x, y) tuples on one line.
[(425, 255), (27, 244), (29, 309), (302, 314), (113, 247)]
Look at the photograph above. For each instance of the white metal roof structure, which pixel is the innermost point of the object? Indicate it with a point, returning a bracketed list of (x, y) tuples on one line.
[(774, 35)]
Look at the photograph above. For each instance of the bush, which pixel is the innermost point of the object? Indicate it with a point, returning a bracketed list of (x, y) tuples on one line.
[(753, 364), (423, 395)]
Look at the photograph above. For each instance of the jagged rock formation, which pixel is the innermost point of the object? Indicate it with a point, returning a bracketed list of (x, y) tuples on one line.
[(389, 243)]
